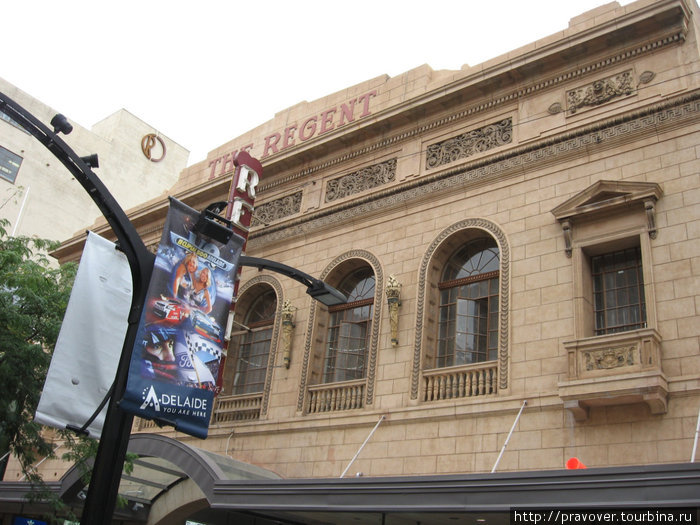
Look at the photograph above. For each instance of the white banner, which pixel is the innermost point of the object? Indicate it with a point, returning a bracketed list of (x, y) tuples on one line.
[(90, 343)]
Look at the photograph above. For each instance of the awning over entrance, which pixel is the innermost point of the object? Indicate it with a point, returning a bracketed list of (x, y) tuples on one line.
[(163, 463), (478, 499), (231, 491)]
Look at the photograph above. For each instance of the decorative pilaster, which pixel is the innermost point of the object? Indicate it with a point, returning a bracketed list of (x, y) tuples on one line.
[(287, 331), (393, 297)]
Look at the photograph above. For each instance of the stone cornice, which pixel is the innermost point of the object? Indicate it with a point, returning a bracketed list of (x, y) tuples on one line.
[(601, 134), (676, 36), (675, 14)]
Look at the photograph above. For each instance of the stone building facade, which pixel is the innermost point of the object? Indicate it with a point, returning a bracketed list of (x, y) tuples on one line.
[(522, 234), (36, 189)]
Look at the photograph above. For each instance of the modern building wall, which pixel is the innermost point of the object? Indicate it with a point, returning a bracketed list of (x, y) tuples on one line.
[(581, 144), (43, 199)]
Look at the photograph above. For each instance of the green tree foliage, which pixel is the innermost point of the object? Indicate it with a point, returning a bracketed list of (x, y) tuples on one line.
[(33, 299)]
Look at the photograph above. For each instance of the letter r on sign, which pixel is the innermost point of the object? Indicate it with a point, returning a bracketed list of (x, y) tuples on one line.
[(248, 181)]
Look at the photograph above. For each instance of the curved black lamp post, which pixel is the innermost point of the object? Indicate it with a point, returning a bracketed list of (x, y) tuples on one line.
[(104, 484), (106, 474)]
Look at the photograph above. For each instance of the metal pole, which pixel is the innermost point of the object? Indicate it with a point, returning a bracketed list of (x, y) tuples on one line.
[(695, 443), (109, 462), (363, 445), (505, 444)]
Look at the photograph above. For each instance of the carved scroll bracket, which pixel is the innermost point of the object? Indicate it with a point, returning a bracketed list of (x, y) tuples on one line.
[(393, 297), (566, 227), (650, 208)]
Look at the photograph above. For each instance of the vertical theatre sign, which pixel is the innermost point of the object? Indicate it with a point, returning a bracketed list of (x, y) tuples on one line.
[(176, 363), (239, 210)]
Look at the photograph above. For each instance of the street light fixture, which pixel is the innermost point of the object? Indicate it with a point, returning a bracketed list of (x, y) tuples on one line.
[(316, 288)]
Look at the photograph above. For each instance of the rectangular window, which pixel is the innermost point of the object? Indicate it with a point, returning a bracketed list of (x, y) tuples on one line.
[(618, 291), (468, 325), (252, 360), (348, 340), (9, 165)]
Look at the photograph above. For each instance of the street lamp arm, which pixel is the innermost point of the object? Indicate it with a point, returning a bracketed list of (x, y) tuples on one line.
[(316, 288), (266, 264)]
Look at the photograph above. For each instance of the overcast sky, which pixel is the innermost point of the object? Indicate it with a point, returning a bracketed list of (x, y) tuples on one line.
[(204, 72)]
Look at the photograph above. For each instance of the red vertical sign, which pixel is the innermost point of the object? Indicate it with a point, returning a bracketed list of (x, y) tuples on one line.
[(239, 210)]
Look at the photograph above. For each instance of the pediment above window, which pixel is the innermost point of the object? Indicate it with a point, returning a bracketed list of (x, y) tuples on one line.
[(606, 198)]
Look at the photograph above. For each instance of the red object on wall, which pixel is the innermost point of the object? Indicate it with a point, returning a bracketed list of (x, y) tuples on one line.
[(574, 463)]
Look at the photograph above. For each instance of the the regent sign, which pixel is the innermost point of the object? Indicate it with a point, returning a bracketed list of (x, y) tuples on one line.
[(293, 135)]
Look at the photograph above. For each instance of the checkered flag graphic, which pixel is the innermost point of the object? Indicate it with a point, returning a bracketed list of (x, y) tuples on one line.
[(196, 343)]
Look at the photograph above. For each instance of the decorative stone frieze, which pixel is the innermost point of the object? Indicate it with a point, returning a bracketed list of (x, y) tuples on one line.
[(470, 143), (361, 180), (600, 91), (607, 358), (646, 77), (277, 209), (669, 113), (492, 103), (555, 108)]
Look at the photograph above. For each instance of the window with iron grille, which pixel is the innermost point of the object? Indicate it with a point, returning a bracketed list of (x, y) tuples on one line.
[(469, 299), (618, 291), (254, 345), (349, 329)]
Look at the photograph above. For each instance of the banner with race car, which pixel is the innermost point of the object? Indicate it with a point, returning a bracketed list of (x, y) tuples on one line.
[(175, 363)]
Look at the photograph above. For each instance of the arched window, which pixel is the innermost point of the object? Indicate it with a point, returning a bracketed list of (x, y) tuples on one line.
[(349, 329), (469, 305), (253, 344)]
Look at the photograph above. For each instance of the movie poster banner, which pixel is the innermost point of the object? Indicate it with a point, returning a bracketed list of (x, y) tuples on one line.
[(176, 357)]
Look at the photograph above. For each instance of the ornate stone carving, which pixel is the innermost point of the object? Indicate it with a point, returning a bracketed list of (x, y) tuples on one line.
[(277, 209), (361, 180), (555, 108), (600, 91), (646, 77), (393, 297), (650, 208), (287, 330), (614, 369), (608, 358), (566, 227), (545, 84), (671, 112), (469, 143)]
